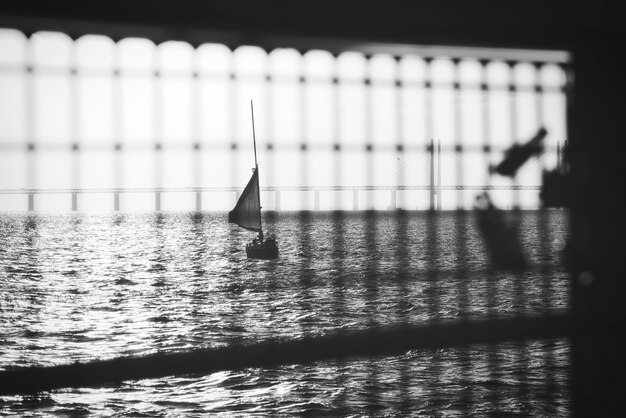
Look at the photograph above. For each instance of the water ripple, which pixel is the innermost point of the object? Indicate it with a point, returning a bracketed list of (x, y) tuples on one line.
[(80, 287)]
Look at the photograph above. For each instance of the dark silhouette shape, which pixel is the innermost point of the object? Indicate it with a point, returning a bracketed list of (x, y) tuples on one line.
[(247, 212), (555, 190), (519, 154), (260, 248), (389, 340), (500, 237)]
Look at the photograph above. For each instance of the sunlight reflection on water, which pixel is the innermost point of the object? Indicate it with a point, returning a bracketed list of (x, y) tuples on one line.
[(81, 287)]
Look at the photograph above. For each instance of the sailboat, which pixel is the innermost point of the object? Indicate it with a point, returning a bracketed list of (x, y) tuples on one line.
[(247, 213)]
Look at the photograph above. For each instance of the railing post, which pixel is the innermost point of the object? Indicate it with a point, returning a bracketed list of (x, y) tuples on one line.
[(157, 201), (355, 199), (74, 201), (439, 175), (31, 202), (392, 203), (116, 201), (431, 149), (198, 201), (316, 195), (277, 200)]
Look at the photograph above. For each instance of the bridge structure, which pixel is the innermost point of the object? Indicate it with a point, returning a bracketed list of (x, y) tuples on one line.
[(435, 192)]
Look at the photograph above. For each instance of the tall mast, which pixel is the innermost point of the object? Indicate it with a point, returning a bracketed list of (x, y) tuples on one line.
[(256, 169), (253, 135)]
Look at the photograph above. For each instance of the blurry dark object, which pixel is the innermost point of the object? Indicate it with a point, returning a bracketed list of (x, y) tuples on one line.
[(500, 237), (554, 190), (518, 154)]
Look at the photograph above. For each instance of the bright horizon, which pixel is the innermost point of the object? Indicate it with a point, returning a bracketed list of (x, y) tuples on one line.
[(180, 119)]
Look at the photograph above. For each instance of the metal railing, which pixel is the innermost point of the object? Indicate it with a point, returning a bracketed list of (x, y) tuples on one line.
[(492, 330)]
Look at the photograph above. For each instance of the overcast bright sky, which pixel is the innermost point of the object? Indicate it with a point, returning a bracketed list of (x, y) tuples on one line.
[(155, 98)]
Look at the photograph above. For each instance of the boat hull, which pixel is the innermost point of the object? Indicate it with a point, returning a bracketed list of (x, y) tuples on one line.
[(266, 250)]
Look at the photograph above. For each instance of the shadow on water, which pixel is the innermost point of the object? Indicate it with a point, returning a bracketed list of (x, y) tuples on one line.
[(337, 272), (31, 266), (431, 292), (338, 222), (372, 248), (461, 273), (159, 258), (118, 219), (196, 241)]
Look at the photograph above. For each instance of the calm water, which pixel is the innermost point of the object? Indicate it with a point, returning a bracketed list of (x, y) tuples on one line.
[(80, 287)]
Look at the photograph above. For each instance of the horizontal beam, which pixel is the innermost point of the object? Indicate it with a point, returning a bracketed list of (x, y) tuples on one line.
[(324, 24), (264, 188), (341, 345)]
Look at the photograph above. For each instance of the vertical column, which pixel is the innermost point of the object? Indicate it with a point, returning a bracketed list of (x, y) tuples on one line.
[(371, 226), (277, 200), (401, 256), (369, 137), (158, 128), (458, 134), (304, 161), (232, 103), (428, 120), (431, 149), (595, 122), (460, 231), (30, 173), (544, 243), (439, 174), (157, 200), (400, 115), (486, 119), (75, 174), (195, 122), (198, 201), (29, 122), (117, 113), (355, 199), (159, 182), (74, 116), (337, 177), (514, 125), (270, 118), (558, 157), (539, 98)]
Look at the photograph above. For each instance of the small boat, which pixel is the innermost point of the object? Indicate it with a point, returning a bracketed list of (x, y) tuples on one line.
[(247, 213)]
